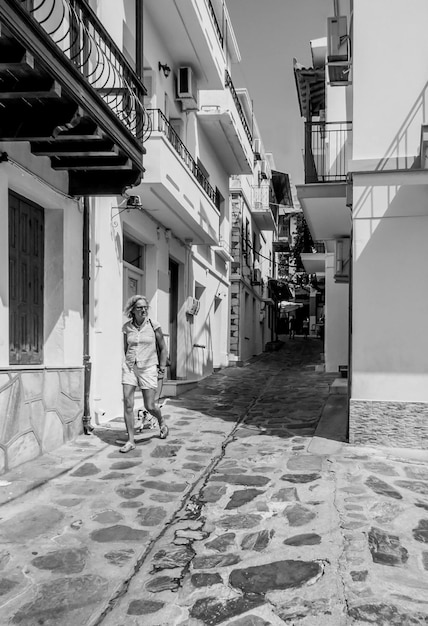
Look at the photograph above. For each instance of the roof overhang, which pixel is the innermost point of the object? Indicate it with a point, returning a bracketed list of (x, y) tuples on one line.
[(310, 85), (325, 210)]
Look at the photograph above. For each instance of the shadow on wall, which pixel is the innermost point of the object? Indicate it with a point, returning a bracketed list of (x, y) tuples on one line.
[(396, 156), (390, 265), (391, 260)]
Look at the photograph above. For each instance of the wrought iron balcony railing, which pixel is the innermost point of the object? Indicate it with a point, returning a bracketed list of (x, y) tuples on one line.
[(228, 83), (327, 150), (76, 30), (215, 22), (161, 124), (225, 245), (318, 246)]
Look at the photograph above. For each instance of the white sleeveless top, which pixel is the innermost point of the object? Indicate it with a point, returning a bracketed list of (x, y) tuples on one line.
[(141, 344)]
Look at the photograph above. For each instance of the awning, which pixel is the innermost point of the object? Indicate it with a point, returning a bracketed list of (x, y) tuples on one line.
[(288, 307)]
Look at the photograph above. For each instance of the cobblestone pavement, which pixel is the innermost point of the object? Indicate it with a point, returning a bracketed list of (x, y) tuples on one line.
[(237, 518)]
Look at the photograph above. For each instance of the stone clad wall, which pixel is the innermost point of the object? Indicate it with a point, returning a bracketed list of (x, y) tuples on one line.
[(39, 411), (391, 424)]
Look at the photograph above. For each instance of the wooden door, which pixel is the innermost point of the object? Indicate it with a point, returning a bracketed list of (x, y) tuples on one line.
[(173, 312), (26, 267)]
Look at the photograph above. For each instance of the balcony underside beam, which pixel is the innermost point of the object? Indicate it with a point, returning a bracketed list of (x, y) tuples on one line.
[(83, 148), (112, 162), (33, 94), (100, 183)]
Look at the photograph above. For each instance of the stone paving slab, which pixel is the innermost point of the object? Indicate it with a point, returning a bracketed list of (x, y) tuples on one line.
[(237, 518)]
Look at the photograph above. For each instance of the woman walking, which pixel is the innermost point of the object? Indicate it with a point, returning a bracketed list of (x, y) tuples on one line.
[(143, 365)]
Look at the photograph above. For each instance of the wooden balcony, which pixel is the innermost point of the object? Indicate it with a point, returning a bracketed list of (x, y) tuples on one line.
[(67, 89)]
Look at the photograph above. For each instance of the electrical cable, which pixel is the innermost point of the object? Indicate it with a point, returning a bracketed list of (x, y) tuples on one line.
[(18, 165)]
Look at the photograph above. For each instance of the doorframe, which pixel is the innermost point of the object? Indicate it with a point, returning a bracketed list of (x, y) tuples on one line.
[(173, 270), (127, 269)]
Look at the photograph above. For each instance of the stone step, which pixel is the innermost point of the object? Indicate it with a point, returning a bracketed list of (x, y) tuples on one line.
[(339, 385)]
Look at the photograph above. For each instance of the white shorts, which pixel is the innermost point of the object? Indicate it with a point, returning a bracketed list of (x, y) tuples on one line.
[(142, 377)]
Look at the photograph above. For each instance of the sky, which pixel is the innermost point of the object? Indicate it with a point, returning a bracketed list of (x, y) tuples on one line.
[(269, 34)]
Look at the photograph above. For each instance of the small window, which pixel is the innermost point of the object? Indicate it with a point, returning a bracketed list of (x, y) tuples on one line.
[(133, 253)]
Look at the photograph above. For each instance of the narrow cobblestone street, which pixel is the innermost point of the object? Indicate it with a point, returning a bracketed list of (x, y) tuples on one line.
[(244, 516)]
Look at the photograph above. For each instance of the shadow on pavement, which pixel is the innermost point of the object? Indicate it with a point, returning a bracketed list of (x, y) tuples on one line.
[(281, 393)]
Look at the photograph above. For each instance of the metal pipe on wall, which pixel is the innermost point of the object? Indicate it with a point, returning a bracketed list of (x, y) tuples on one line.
[(87, 426)]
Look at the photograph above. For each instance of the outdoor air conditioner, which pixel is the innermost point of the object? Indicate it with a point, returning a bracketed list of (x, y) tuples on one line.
[(187, 90), (339, 256), (338, 61), (264, 169), (257, 149), (192, 306), (342, 250), (337, 39), (257, 277)]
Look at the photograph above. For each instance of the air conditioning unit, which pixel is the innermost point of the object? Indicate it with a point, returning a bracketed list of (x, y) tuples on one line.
[(342, 261), (337, 39), (246, 272), (192, 306), (338, 61), (264, 169), (257, 149), (187, 90), (257, 277), (339, 256)]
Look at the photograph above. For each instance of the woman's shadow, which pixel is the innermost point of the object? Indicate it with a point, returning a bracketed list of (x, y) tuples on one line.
[(114, 433)]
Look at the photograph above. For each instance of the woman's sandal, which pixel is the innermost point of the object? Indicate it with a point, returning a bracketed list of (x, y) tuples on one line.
[(127, 447), (164, 431)]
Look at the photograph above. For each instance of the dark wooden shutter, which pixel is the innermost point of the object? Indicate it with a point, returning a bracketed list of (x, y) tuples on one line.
[(26, 263)]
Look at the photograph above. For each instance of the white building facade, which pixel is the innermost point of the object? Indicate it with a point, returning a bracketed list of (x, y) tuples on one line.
[(72, 142), (175, 248), (389, 394), (254, 228), (374, 223)]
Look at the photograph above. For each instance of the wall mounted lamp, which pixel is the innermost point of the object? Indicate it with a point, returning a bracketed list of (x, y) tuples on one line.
[(128, 203), (165, 68), (133, 202)]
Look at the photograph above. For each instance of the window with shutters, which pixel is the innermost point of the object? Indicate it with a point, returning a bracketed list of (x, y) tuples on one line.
[(26, 262)]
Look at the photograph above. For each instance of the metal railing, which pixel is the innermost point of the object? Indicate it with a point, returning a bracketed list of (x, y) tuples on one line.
[(228, 83), (161, 124), (215, 22), (261, 201), (76, 30), (225, 245), (319, 246), (327, 150)]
